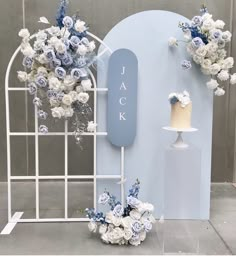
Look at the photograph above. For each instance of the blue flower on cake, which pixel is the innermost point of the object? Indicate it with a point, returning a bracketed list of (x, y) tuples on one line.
[(57, 68), (206, 42)]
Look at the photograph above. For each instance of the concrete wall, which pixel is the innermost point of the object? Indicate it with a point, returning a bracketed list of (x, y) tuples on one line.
[(101, 15)]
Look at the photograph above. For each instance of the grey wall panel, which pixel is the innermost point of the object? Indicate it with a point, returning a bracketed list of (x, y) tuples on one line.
[(102, 15)]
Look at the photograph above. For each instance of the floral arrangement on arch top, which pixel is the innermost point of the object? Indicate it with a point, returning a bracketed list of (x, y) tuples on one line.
[(122, 225), (56, 70), (206, 43)]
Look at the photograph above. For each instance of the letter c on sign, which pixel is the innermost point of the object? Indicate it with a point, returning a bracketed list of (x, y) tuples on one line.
[(123, 101)]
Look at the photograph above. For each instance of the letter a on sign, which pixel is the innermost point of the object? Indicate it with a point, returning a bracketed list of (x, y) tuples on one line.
[(122, 97)]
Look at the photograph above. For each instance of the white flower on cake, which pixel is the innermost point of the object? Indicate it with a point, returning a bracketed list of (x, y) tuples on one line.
[(182, 98)]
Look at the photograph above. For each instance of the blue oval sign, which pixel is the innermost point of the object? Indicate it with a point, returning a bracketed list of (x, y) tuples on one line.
[(122, 97)]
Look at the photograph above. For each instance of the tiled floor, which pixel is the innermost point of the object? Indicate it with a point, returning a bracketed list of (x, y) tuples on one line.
[(217, 236)]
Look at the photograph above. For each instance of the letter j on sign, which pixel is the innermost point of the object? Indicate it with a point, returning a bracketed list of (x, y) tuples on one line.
[(122, 98)]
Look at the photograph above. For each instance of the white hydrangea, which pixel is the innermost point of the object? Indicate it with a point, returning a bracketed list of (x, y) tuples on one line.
[(58, 112), (219, 92), (91, 126), (208, 25), (22, 76), (80, 26), (219, 24), (24, 33), (215, 69), (86, 84), (82, 50), (233, 79), (223, 75), (212, 84), (92, 226), (54, 83), (228, 63)]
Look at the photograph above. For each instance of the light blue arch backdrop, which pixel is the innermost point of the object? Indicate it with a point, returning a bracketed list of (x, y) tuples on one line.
[(160, 73)]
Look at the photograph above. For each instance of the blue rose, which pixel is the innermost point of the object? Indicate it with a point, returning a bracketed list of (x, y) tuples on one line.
[(41, 81), (43, 129), (67, 60), (60, 72), (55, 63), (186, 64), (32, 88), (197, 21), (68, 22), (76, 73), (118, 210), (27, 62), (137, 226), (197, 42), (74, 41), (50, 54)]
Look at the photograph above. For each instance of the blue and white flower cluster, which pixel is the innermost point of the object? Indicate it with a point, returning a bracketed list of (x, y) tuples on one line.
[(57, 69), (122, 225), (182, 98), (206, 43)]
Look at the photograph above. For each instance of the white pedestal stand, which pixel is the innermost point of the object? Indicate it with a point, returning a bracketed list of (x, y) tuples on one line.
[(179, 143)]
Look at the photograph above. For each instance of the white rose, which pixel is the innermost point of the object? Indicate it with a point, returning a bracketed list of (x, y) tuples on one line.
[(219, 92), (128, 233), (205, 71), (206, 16), (92, 226), (109, 217), (145, 207), (82, 50), (206, 64), (172, 41), (86, 84), (69, 112), (60, 47), (53, 41), (54, 31), (22, 76), (212, 84), (24, 33), (65, 33), (219, 24), (105, 238), (135, 214), (58, 112), (116, 221), (91, 46), (221, 53), (201, 51), (116, 235), (54, 103), (197, 59), (43, 71), (142, 236), (127, 222), (80, 26), (28, 51), (73, 95), (211, 48), (54, 83), (226, 36), (233, 79), (223, 75), (83, 97), (215, 69), (41, 36), (228, 63), (42, 59), (79, 89), (91, 126), (67, 100), (102, 229), (39, 45), (208, 24)]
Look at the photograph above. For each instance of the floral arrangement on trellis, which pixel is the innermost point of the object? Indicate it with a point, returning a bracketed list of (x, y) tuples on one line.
[(122, 225), (57, 70), (206, 42)]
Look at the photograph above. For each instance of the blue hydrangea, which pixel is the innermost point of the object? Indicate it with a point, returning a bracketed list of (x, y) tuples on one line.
[(186, 64)]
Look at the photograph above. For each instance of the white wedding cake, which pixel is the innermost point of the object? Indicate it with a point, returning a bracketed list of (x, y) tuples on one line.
[(181, 110)]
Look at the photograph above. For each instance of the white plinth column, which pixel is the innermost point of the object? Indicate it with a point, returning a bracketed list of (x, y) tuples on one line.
[(182, 178)]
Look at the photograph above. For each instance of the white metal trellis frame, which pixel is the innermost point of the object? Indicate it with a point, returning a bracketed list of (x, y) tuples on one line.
[(16, 217)]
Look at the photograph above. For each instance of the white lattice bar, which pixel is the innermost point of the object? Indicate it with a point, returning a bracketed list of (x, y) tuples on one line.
[(53, 220), (56, 134), (66, 169), (70, 177), (26, 89)]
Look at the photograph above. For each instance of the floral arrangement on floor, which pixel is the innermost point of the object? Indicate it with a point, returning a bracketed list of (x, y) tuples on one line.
[(206, 43), (57, 70), (122, 225)]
